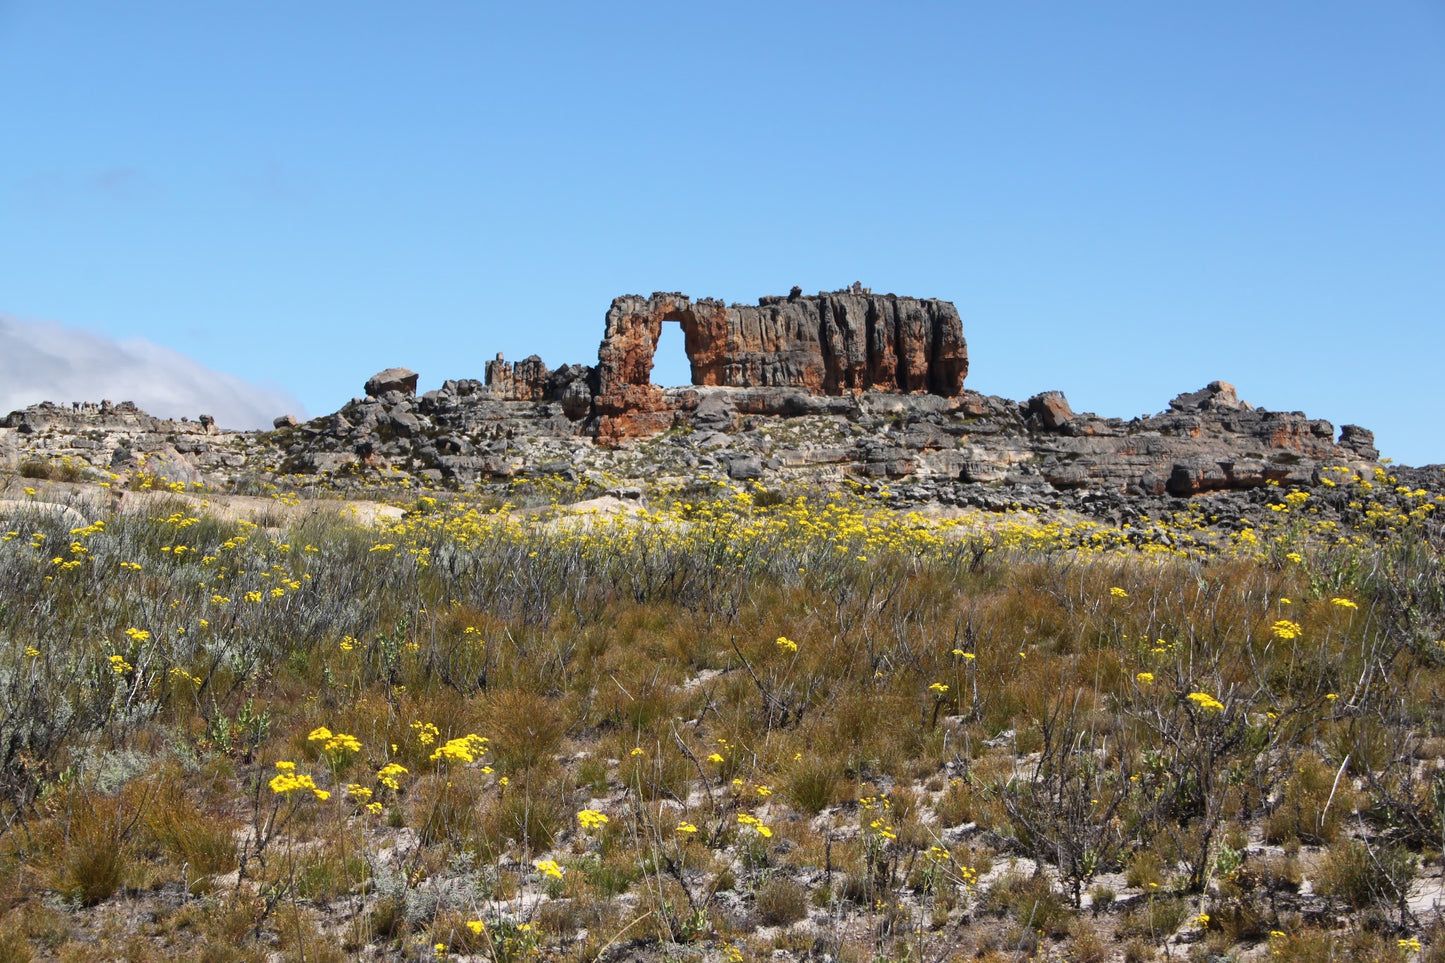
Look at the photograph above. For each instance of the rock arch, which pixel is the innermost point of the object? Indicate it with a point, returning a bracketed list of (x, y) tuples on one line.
[(832, 343)]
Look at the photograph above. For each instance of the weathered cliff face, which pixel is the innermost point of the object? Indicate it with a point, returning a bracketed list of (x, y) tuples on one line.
[(828, 344)]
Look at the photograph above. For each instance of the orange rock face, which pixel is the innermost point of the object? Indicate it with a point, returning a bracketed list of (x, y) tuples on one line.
[(830, 344)]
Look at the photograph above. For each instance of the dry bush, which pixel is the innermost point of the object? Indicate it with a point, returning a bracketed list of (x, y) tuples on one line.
[(447, 809), (1086, 943), (201, 842), (525, 728), (1365, 876), (92, 847), (532, 811), (1030, 902), (780, 902), (14, 946), (815, 782), (662, 773), (1315, 800), (1335, 946), (1153, 920)]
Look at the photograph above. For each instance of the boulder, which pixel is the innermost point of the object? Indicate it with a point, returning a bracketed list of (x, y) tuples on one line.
[(392, 379), (1049, 409), (744, 467)]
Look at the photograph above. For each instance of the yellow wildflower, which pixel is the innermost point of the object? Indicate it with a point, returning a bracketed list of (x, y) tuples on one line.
[(590, 819), (1285, 629), (464, 749), (390, 775), (1206, 701)]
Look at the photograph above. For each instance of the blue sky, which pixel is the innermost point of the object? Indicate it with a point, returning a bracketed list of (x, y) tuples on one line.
[(1125, 200)]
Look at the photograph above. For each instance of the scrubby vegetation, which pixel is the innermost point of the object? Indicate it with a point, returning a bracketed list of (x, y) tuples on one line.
[(736, 723)]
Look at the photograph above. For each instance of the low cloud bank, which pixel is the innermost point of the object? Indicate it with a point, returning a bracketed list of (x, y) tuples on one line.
[(44, 361)]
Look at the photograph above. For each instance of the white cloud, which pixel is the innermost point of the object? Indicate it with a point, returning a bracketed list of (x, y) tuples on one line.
[(44, 361)]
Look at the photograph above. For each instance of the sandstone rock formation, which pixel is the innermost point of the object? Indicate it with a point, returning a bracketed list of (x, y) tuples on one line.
[(529, 380), (841, 385), (829, 344)]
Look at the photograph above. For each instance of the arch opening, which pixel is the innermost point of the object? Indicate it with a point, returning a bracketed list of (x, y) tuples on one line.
[(671, 367)]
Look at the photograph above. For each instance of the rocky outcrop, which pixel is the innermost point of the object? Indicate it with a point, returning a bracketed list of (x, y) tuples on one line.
[(829, 344), (1208, 440), (524, 381), (529, 380), (120, 439), (819, 388), (966, 450)]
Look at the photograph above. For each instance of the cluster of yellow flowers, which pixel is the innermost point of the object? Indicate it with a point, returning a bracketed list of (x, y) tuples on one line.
[(590, 819), (288, 780), (752, 822), (390, 775), (463, 749), (1206, 702), (334, 744)]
